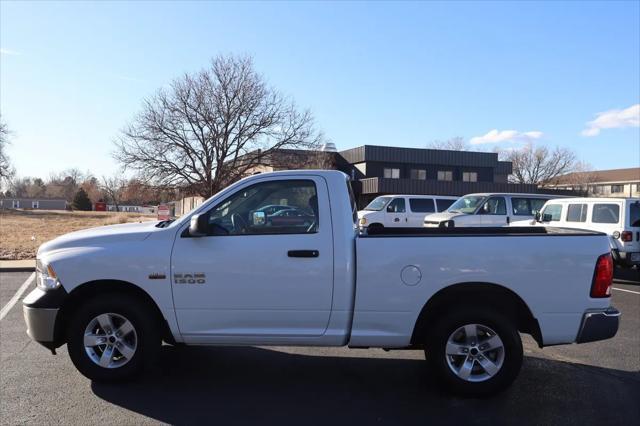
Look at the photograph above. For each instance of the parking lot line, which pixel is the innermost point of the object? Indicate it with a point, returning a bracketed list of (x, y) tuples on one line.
[(6, 308), (628, 291)]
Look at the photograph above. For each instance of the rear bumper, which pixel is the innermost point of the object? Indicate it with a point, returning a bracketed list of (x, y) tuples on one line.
[(599, 325), (625, 258)]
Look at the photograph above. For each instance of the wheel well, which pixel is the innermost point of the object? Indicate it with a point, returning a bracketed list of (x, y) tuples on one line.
[(490, 295), (376, 224), (91, 289)]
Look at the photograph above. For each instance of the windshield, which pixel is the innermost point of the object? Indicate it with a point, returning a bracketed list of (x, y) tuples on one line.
[(634, 214), (466, 205), (378, 204)]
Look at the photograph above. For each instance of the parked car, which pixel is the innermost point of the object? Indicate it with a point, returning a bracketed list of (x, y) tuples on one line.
[(489, 210), (619, 218), (462, 295), (401, 210)]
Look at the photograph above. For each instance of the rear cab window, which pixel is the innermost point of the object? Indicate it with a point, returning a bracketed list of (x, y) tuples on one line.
[(605, 213), (421, 205)]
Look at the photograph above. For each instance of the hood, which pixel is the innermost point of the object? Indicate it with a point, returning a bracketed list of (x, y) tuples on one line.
[(442, 216), (100, 236), (362, 213)]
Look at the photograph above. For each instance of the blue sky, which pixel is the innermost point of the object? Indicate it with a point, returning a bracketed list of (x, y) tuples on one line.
[(401, 74)]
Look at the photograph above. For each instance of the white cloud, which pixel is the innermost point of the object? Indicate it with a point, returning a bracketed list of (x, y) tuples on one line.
[(499, 136), (9, 52), (613, 119)]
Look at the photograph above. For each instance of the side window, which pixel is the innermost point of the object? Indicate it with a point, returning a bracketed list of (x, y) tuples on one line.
[(443, 204), (421, 205), (521, 206), (396, 206), (494, 206), (554, 211), (605, 213), (577, 213), (274, 207), (536, 205)]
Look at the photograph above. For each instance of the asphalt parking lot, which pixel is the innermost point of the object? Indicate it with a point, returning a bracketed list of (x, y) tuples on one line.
[(596, 383)]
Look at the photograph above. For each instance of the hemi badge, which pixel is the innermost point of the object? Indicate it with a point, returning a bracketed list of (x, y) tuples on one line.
[(157, 276)]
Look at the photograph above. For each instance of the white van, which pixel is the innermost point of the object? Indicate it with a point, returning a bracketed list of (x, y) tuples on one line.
[(402, 210), (617, 217), (490, 210)]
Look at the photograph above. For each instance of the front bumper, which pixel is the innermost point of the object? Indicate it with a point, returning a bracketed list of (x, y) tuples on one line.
[(41, 311), (599, 324)]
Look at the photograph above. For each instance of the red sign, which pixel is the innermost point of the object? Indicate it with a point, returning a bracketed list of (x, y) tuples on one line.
[(100, 206), (163, 212)]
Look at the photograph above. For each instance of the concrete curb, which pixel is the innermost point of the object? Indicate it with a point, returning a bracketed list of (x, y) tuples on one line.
[(17, 265)]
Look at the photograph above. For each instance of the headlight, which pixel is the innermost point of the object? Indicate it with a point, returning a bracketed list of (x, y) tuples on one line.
[(363, 221), (46, 278)]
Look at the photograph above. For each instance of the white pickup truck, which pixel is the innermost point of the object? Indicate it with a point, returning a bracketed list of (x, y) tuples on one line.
[(236, 272)]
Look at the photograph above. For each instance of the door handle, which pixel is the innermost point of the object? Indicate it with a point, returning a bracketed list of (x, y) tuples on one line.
[(397, 219), (303, 253)]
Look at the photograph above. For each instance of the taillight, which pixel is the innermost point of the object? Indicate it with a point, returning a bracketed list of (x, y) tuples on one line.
[(602, 277), (626, 236)]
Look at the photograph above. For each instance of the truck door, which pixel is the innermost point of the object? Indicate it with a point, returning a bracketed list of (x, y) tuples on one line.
[(261, 270), (396, 213)]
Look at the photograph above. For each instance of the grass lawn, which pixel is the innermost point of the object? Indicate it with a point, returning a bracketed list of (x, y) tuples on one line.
[(22, 231)]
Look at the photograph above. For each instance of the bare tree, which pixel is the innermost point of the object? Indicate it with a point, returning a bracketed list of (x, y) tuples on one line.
[(6, 169), (539, 164), (212, 128), (453, 144), (113, 189)]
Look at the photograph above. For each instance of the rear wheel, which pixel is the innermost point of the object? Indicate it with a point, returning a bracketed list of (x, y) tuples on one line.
[(111, 338), (475, 352)]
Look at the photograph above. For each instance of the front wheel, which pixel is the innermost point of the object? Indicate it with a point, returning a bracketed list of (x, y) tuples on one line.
[(475, 352), (112, 338)]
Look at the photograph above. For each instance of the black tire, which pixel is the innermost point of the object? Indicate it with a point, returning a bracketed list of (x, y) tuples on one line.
[(147, 336), (376, 226), (438, 359)]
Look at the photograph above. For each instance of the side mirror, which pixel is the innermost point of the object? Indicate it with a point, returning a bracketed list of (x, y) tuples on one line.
[(199, 226), (537, 217), (259, 218)]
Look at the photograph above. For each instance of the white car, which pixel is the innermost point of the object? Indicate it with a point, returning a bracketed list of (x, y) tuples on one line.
[(395, 211), (489, 210), (228, 273), (619, 218)]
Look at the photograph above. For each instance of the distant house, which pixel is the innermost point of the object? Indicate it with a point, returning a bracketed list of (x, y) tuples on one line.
[(33, 203), (602, 183)]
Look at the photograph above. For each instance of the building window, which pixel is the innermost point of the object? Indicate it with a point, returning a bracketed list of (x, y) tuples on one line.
[(391, 173), (469, 177), (35, 204), (16, 204), (617, 188), (445, 175), (419, 174)]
